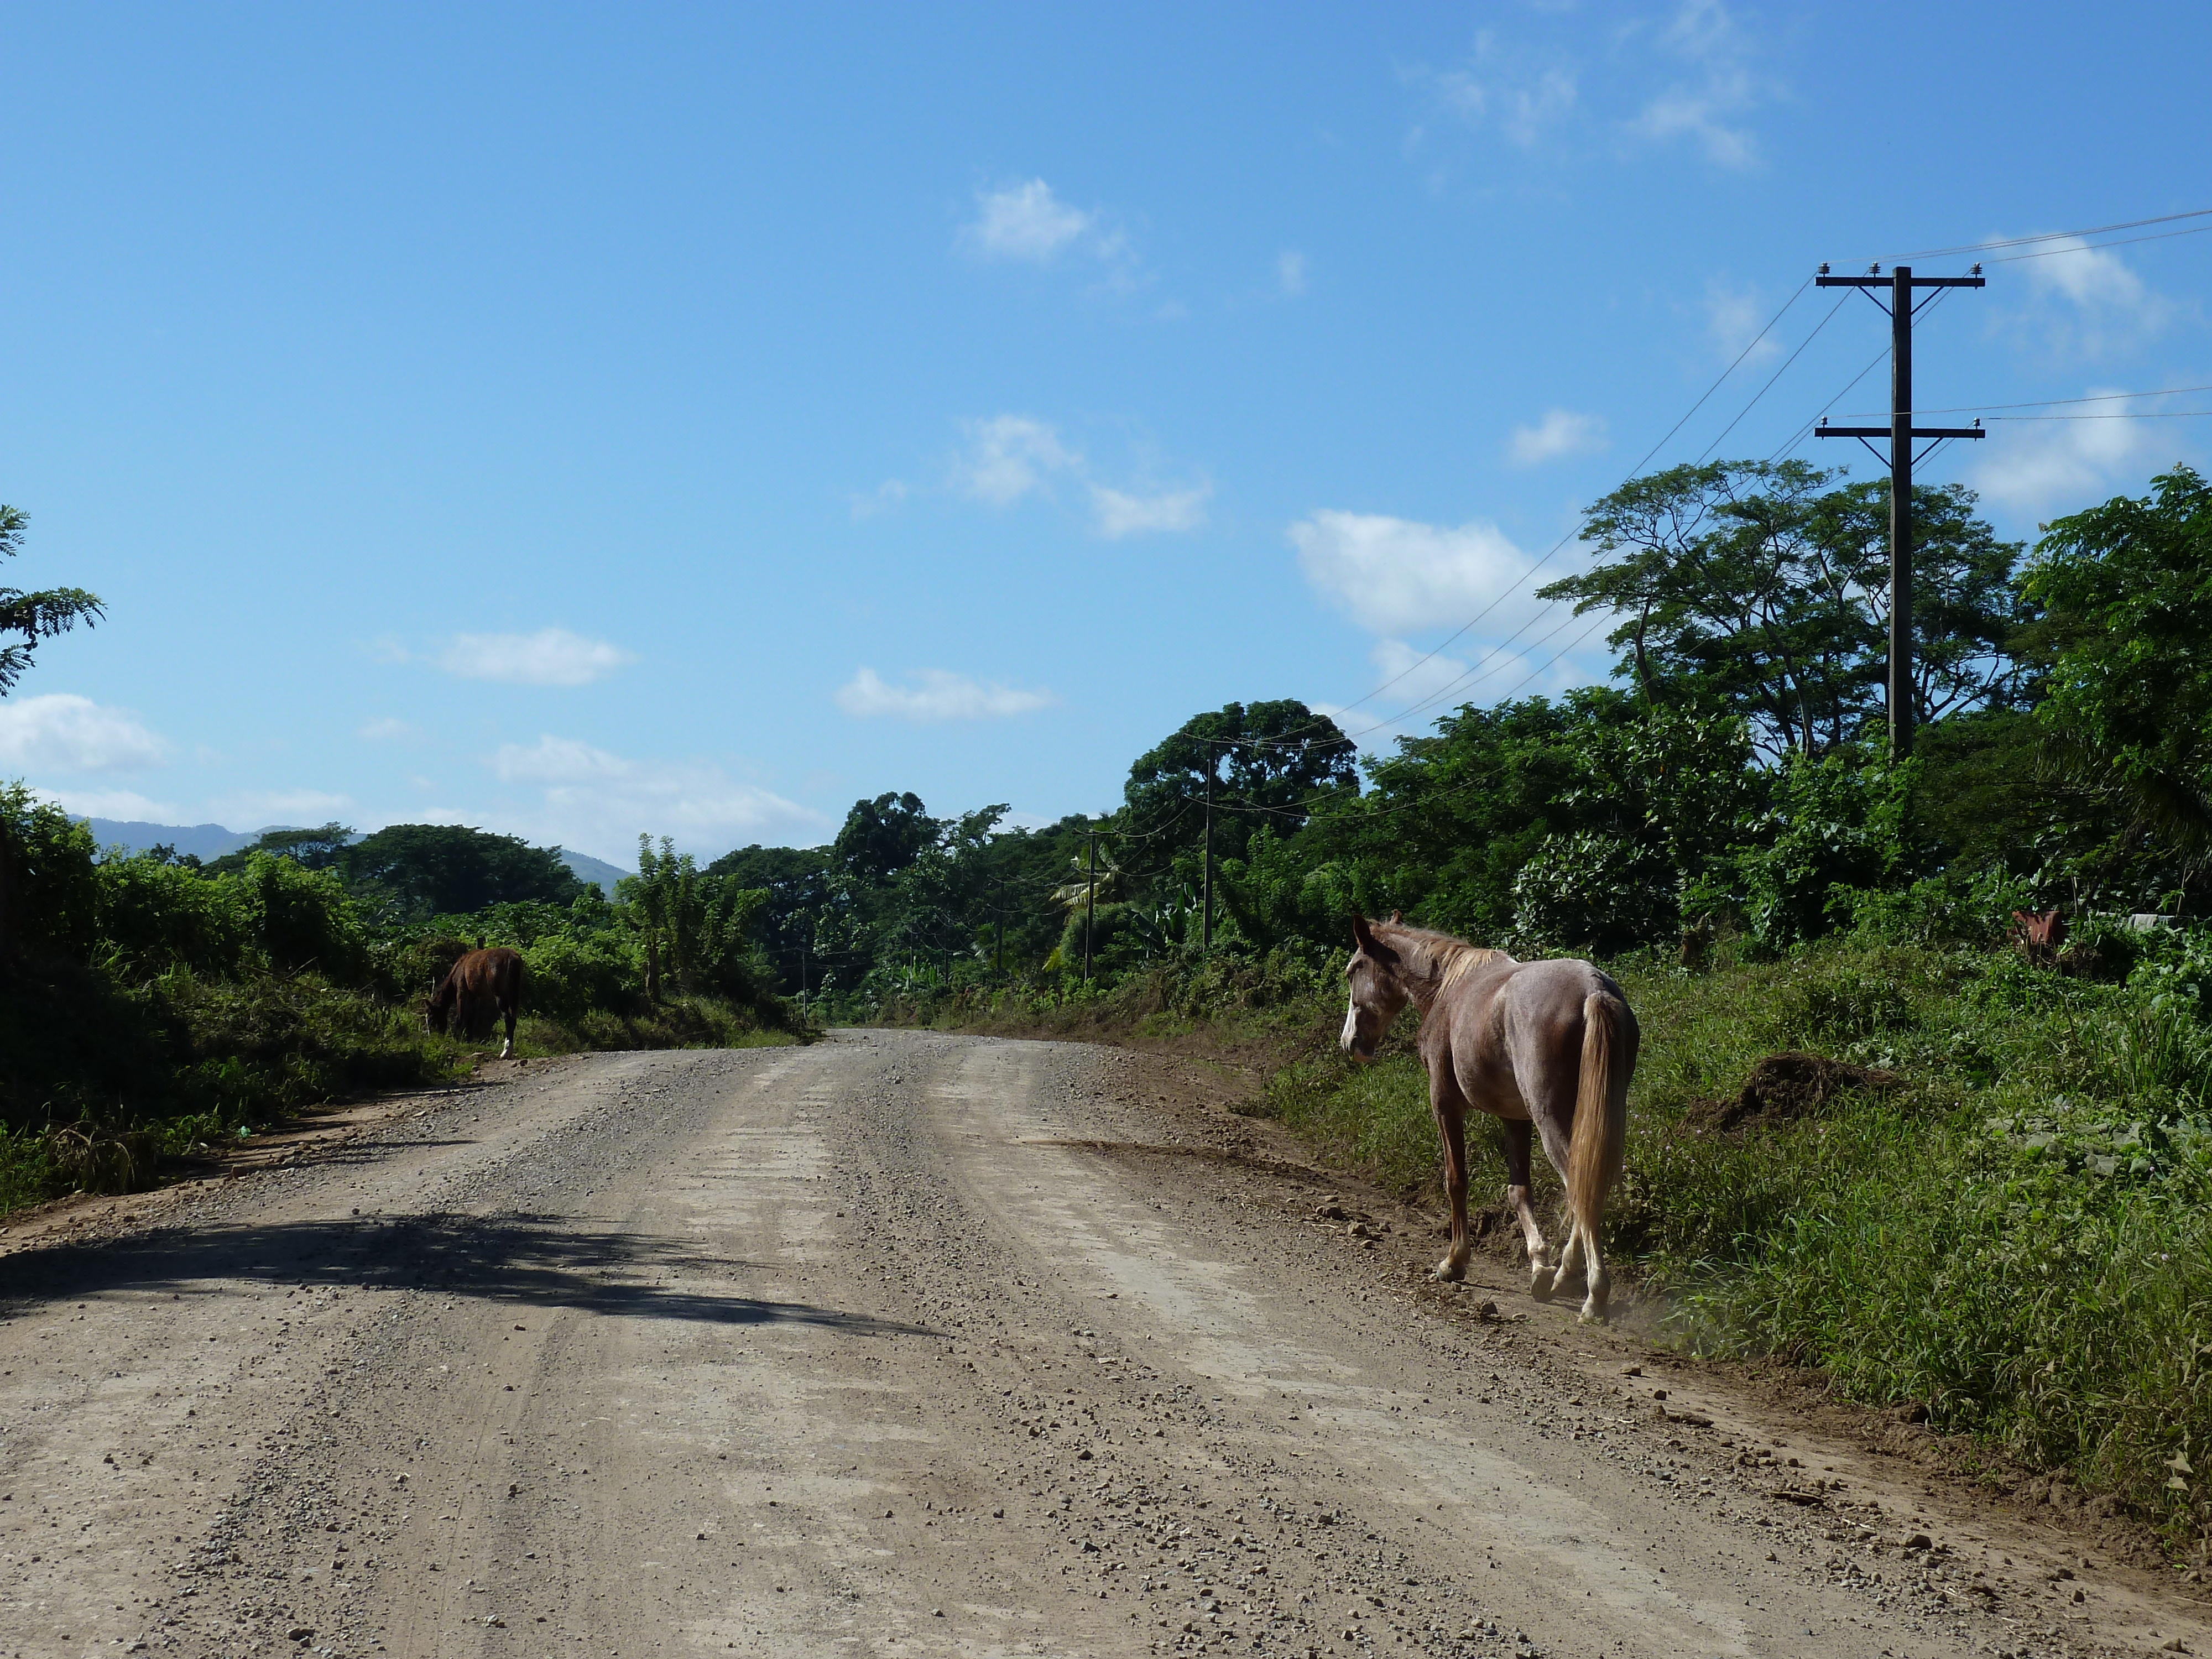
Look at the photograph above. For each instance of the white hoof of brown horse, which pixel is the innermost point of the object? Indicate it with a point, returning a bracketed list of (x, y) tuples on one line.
[(1540, 1282), (1451, 1270)]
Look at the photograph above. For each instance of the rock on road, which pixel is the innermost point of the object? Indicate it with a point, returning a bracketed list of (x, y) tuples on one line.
[(899, 1343)]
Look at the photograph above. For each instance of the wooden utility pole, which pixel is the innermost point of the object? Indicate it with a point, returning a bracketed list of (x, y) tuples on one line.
[(1205, 941), (1900, 432), (1090, 902)]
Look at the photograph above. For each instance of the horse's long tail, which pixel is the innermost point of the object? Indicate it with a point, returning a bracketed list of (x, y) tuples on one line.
[(1600, 1133)]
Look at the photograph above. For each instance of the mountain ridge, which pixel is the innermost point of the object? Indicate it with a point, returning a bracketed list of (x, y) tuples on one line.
[(211, 840)]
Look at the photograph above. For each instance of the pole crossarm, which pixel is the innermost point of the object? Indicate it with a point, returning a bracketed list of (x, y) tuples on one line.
[(1825, 281), (1825, 431)]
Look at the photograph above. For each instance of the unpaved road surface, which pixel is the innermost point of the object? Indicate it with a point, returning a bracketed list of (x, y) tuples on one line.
[(905, 1343)]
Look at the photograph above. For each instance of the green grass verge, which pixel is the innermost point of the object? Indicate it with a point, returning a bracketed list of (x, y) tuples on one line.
[(2016, 1237), (105, 1083)]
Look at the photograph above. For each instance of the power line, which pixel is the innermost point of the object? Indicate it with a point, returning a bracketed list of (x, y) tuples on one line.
[(2130, 415), (1777, 375), (2056, 235), (2044, 403), (2091, 247), (1522, 579)]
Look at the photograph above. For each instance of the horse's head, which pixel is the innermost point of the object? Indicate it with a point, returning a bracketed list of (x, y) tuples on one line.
[(1376, 994), (438, 1006)]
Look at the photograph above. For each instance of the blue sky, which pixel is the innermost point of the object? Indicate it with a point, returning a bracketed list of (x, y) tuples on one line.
[(579, 421)]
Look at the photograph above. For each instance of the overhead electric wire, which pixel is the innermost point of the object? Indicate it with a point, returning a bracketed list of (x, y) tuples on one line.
[(1553, 551), (2044, 403), (2129, 414), (1777, 375), (2056, 235), (2091, 247)]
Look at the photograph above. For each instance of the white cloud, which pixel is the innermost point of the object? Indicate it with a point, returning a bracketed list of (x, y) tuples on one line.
[(2088, 276), (124, 804), (1291, 272), (551, 656), (1704, 35), (1507, 87), (257, 808), (1411, 674), (1007, 456), (1560, 433), (1396, 576), (1027, 221), (2086, 302), (2036, 466), (1698, 114), (600, 802), (382, 730), (1117, 514), (882, 499), (935, 695), (1735, 316), (61, 732)]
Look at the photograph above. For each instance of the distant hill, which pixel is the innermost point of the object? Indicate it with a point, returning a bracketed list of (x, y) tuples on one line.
[(212, 840), (597, 872), (202, 840)]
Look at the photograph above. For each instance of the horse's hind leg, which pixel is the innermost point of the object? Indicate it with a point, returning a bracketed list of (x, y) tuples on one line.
[(1451, 1108), (1599, 1282), (1518, 1200), (506, 1050)]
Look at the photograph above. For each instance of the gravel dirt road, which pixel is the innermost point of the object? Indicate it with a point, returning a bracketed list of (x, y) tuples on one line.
[(913, 1344)]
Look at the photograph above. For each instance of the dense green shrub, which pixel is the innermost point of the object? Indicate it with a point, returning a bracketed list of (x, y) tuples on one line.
[(1594, 891)]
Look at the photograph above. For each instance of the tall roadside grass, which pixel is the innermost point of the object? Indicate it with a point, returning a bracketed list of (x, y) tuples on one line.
[(109, 1082), (2017, 1234)]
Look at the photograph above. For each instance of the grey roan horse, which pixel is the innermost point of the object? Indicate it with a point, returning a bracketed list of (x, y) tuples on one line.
[(1547, 1045)]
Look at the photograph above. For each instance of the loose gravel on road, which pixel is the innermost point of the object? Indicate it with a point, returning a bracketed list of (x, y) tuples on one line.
[(905, 1343)]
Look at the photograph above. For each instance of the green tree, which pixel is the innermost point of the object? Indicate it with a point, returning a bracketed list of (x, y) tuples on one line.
[(440, 869), (35, 616), (316, 849), (1754, 586), (797, 882), (1274, 763), (2125, 637)]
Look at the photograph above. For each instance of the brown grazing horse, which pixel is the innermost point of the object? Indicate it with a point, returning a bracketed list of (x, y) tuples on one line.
[(477, 988), (1547, 1045)]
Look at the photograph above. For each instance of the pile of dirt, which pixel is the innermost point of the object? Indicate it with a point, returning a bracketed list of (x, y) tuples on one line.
[(1783, 1088)]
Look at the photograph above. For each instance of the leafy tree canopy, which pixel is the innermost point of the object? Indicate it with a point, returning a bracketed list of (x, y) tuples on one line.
[(1762, 587), (318, 849), (881, 836), (1270, 761), (35, 616), (2125, 589), (447, 869)]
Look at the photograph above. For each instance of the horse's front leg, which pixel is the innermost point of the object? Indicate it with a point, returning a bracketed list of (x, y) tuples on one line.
[(1451, 1108), (1519, 1201)]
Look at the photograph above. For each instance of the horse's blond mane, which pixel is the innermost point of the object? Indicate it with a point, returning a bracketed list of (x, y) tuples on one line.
[(1437, 955)]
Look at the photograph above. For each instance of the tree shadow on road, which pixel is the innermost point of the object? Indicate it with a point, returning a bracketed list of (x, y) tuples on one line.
[(538, 1261)]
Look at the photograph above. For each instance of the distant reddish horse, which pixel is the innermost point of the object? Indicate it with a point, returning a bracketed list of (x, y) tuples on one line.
[(1547, 1045), (478, 988)]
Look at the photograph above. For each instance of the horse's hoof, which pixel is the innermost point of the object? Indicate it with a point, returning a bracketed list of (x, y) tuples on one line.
[(1540, 1286), (1451, 1272), (1592, 1314)]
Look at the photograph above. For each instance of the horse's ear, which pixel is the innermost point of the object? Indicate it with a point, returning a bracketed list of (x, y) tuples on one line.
[(1394, 915), (1364, 936)]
